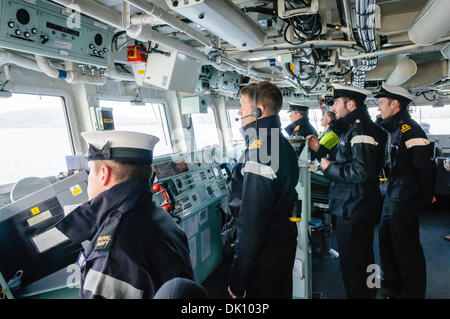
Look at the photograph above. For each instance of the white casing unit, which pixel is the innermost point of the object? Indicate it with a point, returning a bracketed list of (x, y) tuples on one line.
[(176, 72), (224, 19), (431, 23)]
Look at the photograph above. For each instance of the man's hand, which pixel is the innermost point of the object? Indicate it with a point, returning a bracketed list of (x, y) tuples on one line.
[(313, 142), (434, 200), (234, 296), (324, 163)]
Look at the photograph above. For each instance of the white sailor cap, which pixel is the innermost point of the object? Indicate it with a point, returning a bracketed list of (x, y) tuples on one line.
[(120, 145), (354, 93), (395, 92)]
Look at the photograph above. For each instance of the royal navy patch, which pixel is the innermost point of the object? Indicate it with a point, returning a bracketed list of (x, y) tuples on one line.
[(103, 242)]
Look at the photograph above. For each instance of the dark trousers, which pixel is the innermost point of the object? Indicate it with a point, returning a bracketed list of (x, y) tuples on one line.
[(271, 275), (401, 254), (354, 238)]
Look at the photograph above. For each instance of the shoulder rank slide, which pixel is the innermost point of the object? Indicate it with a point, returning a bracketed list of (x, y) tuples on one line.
[(255, 144), (405, 127)]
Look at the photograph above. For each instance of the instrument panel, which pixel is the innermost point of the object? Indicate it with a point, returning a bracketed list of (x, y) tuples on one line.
[(183, 186), (45, 28)]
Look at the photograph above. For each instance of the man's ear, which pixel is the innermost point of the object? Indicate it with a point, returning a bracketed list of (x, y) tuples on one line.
[(105, 175), (395, 104), (350, 105)]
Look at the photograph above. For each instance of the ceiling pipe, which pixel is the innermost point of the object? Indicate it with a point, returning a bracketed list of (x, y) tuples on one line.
[(71, 77), (404, 70), (431, 23), (407, 48), (171, 20), (7, 57), (273, 50)]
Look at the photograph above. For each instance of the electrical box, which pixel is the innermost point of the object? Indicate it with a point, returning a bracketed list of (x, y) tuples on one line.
[(176, 72), (48, 29), (193, 105)]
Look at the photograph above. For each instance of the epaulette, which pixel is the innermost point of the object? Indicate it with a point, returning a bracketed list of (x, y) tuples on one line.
[(255, 145)]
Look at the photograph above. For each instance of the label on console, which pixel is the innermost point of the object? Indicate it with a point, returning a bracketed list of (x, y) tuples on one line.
[(205, 238), (203, 216), (190, 226), (49, 239), (193, 251), (63, 45)]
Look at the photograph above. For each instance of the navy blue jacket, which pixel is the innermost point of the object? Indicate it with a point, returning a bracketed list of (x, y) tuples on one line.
[(301, 127), (409, 164), (358, 161), (134, 248), (261, 198)]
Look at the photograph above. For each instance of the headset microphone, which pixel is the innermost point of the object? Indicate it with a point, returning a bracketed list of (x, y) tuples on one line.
[(240, 118)]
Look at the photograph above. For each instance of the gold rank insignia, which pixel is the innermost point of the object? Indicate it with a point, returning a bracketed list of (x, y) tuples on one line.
[(102, 242), (405, 127), (297, 128), (255, 144)]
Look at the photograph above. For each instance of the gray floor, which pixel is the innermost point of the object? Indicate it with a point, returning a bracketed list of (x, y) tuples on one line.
[(327, 278)]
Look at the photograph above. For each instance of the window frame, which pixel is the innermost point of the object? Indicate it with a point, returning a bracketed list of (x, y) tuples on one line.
[(166, 128), (65, 110), (216, 122)]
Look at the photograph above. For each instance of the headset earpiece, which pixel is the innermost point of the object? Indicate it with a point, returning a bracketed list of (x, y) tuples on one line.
[(258, 113)]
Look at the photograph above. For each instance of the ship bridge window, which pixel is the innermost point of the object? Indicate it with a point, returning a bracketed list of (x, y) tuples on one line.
[(149, 118), (434, 120), (34, 137), (315, 115), (205, 129), (236, 136)]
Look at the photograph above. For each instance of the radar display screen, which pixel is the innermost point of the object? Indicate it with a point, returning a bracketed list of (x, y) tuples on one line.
[(168, 169)]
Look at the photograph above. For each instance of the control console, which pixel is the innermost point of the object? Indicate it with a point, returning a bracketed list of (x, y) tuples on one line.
[(182, 186), (48, 29), (191, 187)]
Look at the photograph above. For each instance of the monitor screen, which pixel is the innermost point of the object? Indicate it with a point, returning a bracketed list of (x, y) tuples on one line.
[(168, 169)]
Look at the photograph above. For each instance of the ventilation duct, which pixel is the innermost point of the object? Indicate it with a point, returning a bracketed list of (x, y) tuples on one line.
[(432, 22), (404, 70), (224, 19)]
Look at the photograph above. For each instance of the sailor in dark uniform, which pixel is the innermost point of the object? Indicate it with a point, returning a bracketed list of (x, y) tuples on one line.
[(354, 194), (300, 125), (408, 184), (262, 196), (131, 247)]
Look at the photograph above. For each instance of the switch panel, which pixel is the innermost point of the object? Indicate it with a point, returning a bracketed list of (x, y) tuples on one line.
[(48, 29)]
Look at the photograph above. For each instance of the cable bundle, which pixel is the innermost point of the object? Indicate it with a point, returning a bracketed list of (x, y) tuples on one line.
[(306, 27)]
